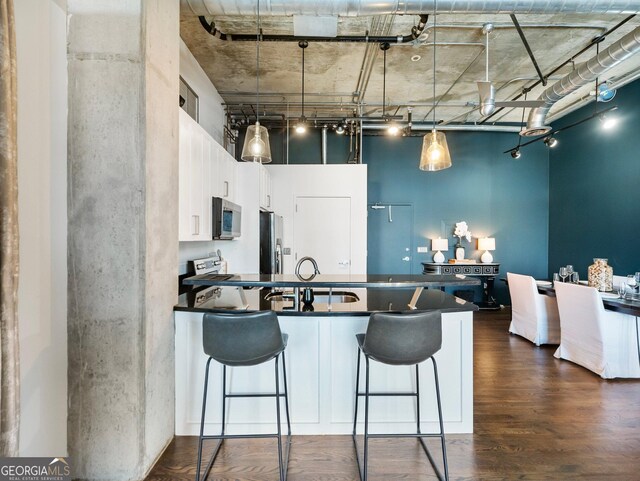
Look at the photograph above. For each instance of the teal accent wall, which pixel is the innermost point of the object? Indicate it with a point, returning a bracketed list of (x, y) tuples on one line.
[(496, 195), (594, 189)]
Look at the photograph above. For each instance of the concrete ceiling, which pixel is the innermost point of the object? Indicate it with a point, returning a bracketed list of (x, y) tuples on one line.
[(336, 74)]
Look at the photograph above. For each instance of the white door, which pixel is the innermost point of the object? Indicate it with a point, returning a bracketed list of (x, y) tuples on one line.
[(322, 230)]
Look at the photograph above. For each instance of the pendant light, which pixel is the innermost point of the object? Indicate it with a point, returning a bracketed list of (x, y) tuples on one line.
[(301, 126), (435, 152), (392, 127), (256, 146)]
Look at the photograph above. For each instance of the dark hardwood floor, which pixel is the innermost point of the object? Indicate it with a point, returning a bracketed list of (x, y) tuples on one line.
[(536, 418)]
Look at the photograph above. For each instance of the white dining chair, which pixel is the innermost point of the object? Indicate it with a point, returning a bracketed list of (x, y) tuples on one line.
[(604, 341), (533, 316)]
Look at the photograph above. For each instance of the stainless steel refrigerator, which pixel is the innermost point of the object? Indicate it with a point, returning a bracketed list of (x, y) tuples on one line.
[(270, 243)]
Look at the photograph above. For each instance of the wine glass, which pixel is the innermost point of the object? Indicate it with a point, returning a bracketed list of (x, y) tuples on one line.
[(563, 273), (575, 278), (569, 270), (621, 289), (556, 278), (631, 282)]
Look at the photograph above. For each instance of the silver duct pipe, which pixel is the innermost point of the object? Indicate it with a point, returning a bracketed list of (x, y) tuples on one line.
[(354, 8), (323, 150), (587, 72), (466, 128)]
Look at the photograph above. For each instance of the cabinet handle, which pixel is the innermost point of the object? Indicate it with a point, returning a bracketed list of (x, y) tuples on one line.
[(196, 224), (268, 201), (226, 189)]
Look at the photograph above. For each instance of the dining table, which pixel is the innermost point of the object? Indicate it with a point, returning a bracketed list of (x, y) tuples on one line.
[(610, 300)]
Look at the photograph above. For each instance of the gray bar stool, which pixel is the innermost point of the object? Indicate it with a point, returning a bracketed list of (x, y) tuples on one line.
[(403, 340), (244, 339)]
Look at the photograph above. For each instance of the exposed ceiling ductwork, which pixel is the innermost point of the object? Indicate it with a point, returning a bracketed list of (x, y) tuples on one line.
[(587, 72), (354, 8)]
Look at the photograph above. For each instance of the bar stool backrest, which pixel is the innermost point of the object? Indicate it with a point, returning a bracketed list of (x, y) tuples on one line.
[(403, 339), (242, 339)]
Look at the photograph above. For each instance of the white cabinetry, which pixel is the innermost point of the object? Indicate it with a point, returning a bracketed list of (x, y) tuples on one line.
[(206, 170), (194, 173), (228, 174), (265, 189)]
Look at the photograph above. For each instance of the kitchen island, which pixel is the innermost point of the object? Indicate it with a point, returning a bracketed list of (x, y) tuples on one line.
[(321, 356)]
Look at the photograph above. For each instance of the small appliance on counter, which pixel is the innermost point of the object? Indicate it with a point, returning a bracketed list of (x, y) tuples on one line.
[(226, 219), (271, 235)]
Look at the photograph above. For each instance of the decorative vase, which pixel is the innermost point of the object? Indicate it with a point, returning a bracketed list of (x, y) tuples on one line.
[(459, 251), (600, 275)]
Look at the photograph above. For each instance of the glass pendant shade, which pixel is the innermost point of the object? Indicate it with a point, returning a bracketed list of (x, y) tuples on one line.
[(435, 152), (256, 145)]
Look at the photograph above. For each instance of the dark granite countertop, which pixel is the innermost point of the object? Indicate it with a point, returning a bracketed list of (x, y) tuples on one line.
[(334, 280), (224, 299)]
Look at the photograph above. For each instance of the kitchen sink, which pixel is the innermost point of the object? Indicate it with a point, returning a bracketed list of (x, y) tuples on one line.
[(319, 297)]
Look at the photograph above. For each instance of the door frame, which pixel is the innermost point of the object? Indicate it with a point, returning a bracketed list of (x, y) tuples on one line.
[(411, 228)]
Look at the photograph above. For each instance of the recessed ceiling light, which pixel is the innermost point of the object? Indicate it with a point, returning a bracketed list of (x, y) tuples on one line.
[(424, 36), (415, 58)]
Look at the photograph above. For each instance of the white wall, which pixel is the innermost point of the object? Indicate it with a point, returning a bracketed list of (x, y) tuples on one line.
[(291, 181), (42, 208), (212, 116)]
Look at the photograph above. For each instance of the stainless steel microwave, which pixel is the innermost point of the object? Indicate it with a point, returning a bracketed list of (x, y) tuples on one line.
[(226, 217)]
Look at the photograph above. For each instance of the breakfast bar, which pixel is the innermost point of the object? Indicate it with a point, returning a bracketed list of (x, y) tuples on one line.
[(321, 352)]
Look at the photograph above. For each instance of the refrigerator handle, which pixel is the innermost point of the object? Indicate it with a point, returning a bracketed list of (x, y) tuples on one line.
[(278, 259)]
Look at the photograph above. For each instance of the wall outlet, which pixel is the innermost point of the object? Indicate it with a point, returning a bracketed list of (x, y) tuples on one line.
[(423, 250)]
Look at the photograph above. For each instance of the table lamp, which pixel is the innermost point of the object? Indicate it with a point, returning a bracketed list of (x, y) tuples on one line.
[(439, 245), (486, 244)]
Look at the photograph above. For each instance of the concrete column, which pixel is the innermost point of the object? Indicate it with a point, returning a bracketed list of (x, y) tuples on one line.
[(122, 233)]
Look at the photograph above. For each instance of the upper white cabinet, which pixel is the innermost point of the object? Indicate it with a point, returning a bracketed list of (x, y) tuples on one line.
[(265, 189), (227, 175), (206, 170)]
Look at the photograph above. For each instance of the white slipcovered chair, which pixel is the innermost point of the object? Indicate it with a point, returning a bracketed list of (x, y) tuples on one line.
[(603, 341), (533, 316)]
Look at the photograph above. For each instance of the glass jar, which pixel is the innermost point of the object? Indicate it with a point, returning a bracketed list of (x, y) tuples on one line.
[(600, 275)]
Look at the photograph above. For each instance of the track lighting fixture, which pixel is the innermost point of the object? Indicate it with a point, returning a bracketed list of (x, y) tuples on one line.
[(550, 141), (515, 153), (608, 122), (340, 129)]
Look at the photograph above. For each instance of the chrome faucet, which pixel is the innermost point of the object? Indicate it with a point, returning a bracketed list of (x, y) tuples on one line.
[(308, 292), (301, 261)]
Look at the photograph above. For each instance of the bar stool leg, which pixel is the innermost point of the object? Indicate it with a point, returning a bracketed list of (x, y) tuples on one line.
[(286, 394), (355, 416), (442, 440), (418, 399), (280, 464), (366, 420), (224, 396), (204, 406)]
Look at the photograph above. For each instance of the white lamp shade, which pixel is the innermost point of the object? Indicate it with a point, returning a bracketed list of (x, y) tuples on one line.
[(487, 244), (256, 145), (439, 244)]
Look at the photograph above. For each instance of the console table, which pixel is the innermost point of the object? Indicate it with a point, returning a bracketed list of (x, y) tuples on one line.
[(487, 272)]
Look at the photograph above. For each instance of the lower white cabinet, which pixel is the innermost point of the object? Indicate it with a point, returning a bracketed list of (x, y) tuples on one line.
[(321, 371)]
